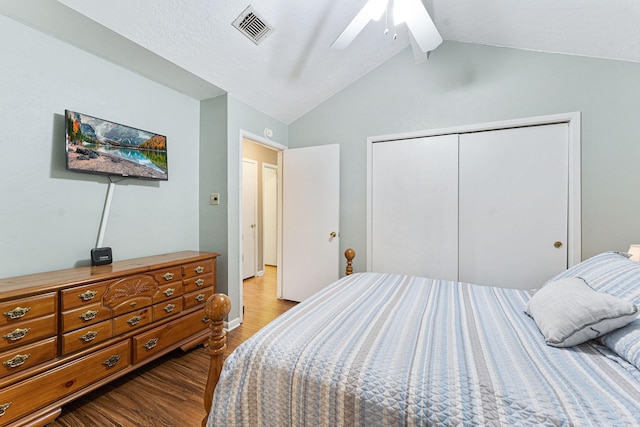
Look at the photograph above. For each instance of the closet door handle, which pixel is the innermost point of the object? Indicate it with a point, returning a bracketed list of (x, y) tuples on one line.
[(557, 245)]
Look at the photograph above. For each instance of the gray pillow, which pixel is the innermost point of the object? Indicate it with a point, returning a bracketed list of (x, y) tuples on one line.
[(569, 312)]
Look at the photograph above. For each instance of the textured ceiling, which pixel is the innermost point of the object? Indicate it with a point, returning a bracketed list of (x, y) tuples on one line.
[(294, 69)]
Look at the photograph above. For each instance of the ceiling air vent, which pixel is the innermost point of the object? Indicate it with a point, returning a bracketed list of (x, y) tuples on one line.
[(251, 24)]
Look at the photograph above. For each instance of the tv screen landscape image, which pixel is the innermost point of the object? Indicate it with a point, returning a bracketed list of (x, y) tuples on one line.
[(99, 146)]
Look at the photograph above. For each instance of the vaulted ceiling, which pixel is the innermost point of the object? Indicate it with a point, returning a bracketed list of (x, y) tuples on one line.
[(190, 45)]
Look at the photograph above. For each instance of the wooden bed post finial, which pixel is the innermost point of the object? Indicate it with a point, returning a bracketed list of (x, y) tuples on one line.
[(349, 254), (216, 308)]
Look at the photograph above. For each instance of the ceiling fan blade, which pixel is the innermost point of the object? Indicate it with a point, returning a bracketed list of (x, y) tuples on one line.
[(418, 55), (421, 26), (373, 9)]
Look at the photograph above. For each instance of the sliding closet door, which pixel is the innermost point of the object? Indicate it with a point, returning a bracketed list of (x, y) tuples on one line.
[(513, 205), (414, 220)]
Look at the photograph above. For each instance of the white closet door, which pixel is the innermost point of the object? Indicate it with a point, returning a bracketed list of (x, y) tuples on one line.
[(414, 220), (513, 205)]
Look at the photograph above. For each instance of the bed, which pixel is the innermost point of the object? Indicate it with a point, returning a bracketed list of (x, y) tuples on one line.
[(377, 349)]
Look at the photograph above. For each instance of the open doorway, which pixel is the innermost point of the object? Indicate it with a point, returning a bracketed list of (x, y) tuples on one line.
[(259, 217)]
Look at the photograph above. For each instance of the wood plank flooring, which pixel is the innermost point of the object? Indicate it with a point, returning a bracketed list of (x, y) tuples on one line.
[(169, 391)]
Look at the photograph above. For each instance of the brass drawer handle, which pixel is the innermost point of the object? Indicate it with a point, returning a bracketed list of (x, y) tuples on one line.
[(205, 319), (112, 361), (200, 297), (4, 407), (17, 312), (199, 269), (89, 336), (151, 343), (134, 320), (16, 360), (199, 282), (167, 276), (89, 315), (169, 292), (88, 295), (17, 334), (169, 308)]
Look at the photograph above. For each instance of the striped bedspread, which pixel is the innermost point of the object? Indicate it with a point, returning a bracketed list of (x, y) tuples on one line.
[(389, 350)]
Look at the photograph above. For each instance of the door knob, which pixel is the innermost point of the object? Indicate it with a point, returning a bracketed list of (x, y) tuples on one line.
[(332, 235), (557, 245)]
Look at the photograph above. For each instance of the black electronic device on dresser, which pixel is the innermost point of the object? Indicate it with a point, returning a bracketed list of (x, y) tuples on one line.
[(101, 256)]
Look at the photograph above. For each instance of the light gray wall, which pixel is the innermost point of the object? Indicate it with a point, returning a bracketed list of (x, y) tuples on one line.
[(466, 84), (49, 217), (213, 179), (222, 122)]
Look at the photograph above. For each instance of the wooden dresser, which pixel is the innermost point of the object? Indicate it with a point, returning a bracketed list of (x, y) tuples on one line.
[(65, 333)]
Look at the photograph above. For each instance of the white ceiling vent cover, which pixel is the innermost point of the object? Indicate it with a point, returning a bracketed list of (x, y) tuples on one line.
[(251, 24)]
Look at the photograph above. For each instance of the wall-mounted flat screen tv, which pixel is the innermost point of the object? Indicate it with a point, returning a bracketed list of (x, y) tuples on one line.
[(99, 146)]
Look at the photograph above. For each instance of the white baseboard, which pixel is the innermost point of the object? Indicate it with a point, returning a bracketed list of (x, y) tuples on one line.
[(233, 323)]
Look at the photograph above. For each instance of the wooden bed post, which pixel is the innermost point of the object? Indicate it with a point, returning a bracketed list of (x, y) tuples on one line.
[(216, 308), (349, 254)]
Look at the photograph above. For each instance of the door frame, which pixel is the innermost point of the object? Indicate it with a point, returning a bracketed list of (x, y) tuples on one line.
[(243, 134), (572, 119)]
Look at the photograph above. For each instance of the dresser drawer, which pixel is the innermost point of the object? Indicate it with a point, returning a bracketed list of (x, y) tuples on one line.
[(197, 268), (14, 311), (130, 321), (167, 309), (86, 337), (196, 283), (36, 392), (27, 356), (197, 297), (27, 331), (81, 296), (151, 342), (84, 316), (167, 292), (167, 275)]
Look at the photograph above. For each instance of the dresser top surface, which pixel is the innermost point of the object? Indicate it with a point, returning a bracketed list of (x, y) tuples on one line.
[(58, 279)]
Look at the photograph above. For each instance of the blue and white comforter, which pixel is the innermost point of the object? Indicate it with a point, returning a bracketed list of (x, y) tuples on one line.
[(390, 350)]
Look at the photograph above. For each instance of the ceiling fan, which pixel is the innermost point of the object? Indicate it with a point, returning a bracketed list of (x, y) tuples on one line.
[(422, 31)]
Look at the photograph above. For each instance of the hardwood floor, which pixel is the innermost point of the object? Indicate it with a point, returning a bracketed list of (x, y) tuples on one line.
[(169, 391)]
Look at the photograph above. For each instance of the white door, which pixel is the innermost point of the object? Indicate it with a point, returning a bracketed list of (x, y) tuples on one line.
[(249, 217), (415, 207), (270, 213), (310, 223), (513, 205)]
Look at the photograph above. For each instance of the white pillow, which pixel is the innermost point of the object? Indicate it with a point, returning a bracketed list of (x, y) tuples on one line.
[(569, 312)]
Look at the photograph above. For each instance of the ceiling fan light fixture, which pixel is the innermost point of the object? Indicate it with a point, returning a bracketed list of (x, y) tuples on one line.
[(375, 9), (412, 12), (400, 12)]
